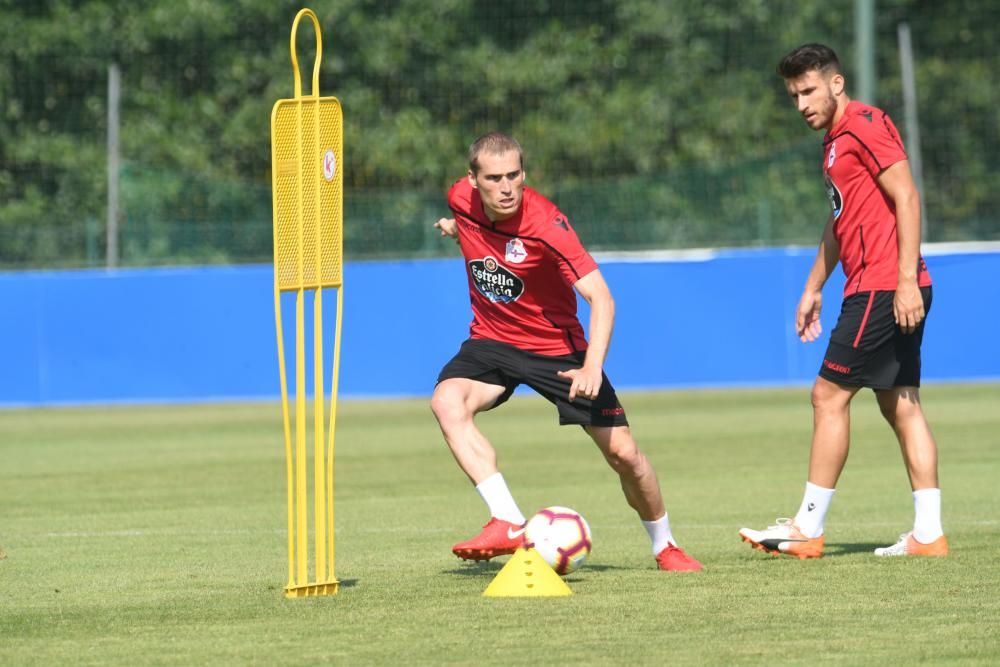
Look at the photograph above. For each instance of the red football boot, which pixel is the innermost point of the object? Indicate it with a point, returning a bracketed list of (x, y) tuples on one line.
[(673, 559), (498, 538)]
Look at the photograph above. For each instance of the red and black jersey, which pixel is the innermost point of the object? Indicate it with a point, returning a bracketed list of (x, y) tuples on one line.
[(521, 272), (862, 145)]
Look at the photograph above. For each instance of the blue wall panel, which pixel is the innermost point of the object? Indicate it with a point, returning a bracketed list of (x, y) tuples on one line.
[(191, 334), (960, 341), (722, 321)]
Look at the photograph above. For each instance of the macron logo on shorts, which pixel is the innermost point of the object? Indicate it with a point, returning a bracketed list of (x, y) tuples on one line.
[(836, 368)]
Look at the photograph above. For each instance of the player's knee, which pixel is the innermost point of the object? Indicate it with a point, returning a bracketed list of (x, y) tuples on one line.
[(888, 410), (827, 397), (448, 406), (818, 397), (624, 456), (907, 408), (900, 405)]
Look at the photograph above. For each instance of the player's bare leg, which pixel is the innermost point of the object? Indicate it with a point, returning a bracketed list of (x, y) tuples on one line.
[(802, 537), (638, 479), (642, 492), (831, 431), (455, 403), (901, 408)]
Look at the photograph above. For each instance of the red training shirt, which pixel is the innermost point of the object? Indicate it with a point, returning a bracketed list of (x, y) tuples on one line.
[(521, 272), (859, 148)]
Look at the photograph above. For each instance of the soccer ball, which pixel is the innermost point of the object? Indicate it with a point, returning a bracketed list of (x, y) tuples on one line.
[(560, 536)]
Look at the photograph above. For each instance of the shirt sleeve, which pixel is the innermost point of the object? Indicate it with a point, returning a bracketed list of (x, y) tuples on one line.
[(574, 260), (459, 199), (881, 146)]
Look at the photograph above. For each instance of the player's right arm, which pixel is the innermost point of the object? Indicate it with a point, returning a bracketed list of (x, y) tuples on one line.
[(448, 227), (460, 203), (807, 324)]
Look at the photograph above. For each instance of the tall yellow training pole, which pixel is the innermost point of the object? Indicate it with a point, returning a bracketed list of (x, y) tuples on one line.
[(307, 196)]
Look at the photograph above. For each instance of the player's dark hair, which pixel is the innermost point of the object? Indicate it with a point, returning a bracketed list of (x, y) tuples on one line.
[(494, 143), (809, 57)]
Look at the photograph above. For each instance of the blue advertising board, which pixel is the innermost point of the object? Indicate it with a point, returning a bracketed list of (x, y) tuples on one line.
[(694, 319)]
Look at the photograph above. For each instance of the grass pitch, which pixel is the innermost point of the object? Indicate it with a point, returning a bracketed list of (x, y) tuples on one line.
[(156, 535)]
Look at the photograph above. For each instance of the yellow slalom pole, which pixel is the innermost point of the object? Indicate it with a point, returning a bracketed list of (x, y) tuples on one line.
[(286, 422), (301, 490), (333, 420), (300, 374), (319, 464)]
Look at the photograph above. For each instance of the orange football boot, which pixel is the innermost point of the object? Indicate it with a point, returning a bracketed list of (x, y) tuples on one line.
[(784, 538), (908, 546)]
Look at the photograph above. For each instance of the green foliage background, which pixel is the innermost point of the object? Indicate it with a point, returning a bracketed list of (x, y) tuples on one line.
[(653, 123)]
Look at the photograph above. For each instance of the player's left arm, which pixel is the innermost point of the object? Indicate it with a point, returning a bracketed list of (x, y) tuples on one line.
[(586, 381), (908, 304)]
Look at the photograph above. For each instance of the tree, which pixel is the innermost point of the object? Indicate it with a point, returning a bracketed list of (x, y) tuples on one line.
[(656, 123)]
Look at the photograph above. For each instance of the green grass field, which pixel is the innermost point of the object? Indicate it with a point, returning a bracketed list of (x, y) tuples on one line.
[(156, 535)]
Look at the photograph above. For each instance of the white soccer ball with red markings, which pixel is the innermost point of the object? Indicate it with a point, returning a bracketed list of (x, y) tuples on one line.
[(560, 536)]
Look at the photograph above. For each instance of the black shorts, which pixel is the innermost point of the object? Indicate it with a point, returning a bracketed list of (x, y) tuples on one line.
[(868, 349), (505, 365)]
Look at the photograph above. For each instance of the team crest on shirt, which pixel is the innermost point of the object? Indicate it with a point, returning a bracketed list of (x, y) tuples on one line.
[(494, 281), (515, 251), (832, 156), (836, 199)]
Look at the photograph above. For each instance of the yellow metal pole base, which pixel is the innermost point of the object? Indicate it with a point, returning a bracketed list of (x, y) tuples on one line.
[(312, 590), (526, 574)]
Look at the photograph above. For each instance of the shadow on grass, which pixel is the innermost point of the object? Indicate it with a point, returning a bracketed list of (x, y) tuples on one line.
[(485, 567), (342, 583), (854, 548), (831, 551), (603, 568), (475, 568)]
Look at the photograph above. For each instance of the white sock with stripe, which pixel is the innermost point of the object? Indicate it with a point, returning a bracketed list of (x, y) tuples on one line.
[(498, 498), (927, 515)]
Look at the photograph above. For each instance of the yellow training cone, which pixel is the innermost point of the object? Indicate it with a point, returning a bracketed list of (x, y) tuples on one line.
[(526, 574)]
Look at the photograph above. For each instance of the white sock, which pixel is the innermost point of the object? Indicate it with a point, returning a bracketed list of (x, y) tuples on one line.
[(659, 533), (494, 491), (812, 512), (927, 515)]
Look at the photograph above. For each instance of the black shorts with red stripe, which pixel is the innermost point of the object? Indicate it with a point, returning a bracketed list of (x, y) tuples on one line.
[(868, 349), (501, 364)]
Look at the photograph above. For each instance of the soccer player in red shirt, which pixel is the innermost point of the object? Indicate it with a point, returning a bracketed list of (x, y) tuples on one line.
[(524, 261), (874, 232)]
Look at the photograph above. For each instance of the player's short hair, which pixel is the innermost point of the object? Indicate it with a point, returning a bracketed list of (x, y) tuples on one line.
[(494, 143), (808, 57)]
